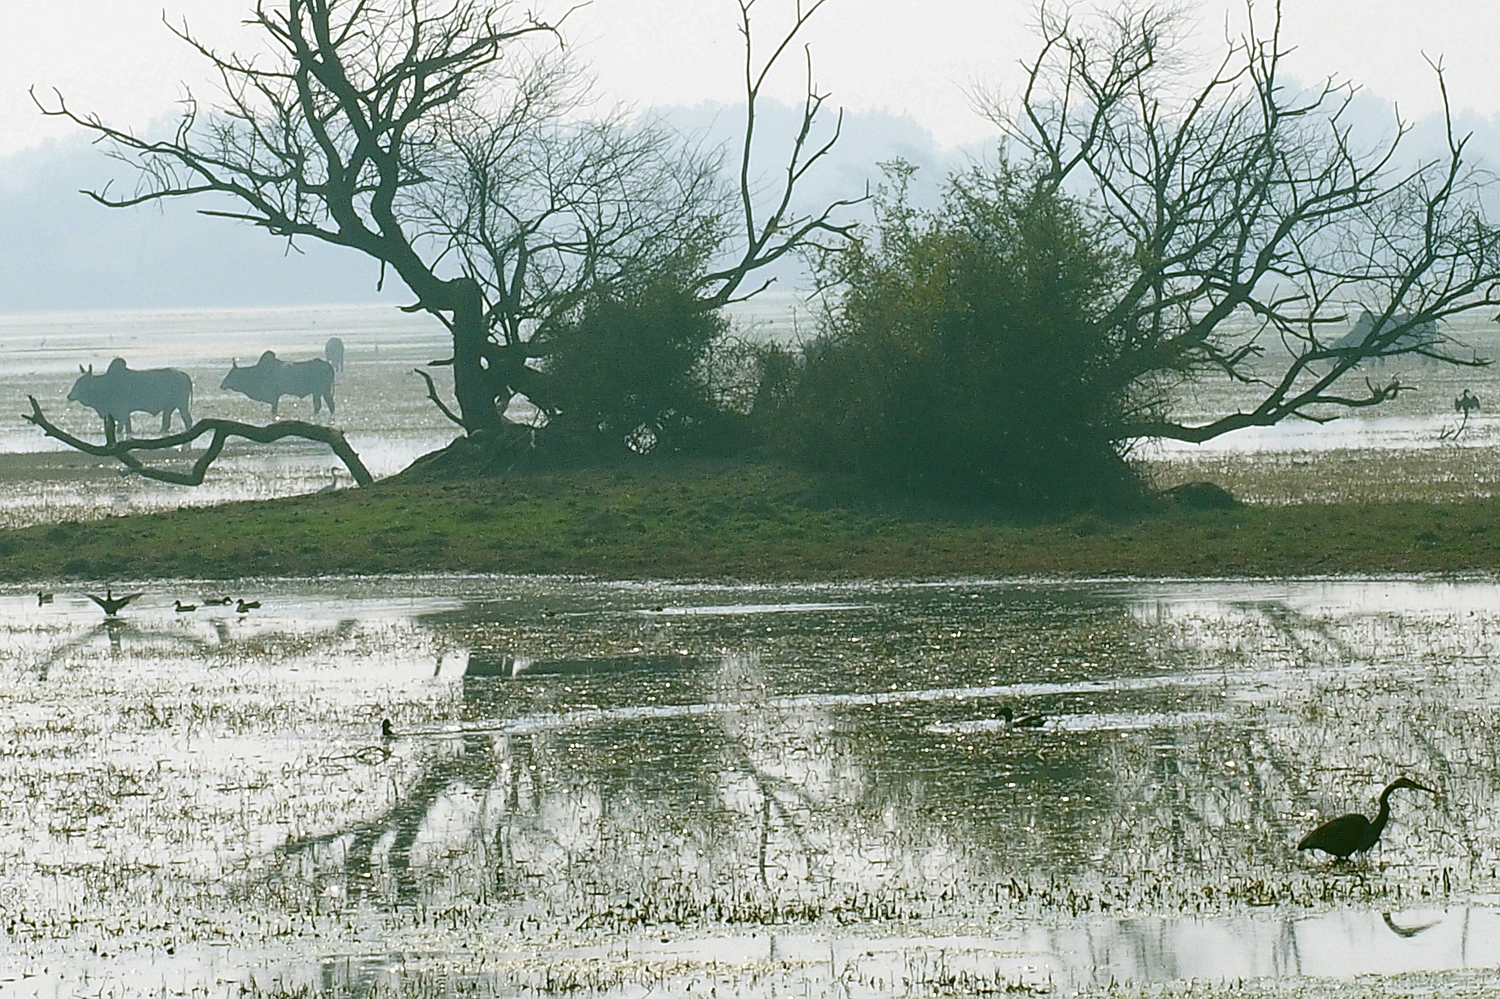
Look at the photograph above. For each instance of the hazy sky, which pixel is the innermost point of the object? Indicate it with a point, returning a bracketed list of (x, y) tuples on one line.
[(117, 58), (899, 66)]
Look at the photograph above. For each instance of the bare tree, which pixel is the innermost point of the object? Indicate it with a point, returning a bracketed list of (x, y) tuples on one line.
[(436, 138), (1246, 198)]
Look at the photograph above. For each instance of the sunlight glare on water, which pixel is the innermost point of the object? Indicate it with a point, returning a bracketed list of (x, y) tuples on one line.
[(384, 410), (601, 787)]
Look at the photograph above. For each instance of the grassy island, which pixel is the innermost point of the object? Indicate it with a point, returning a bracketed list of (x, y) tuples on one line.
[(739, 520)]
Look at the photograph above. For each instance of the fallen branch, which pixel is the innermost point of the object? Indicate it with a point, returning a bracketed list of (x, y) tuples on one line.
[(222, 431)]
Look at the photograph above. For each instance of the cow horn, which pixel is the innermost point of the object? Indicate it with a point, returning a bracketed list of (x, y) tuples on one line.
[(81, 371)]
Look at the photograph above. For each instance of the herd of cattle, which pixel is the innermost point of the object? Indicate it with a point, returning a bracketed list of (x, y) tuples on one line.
[(119, 392)]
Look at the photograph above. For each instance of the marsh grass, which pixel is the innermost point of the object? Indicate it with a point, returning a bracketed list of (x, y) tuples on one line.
[(815, 781)]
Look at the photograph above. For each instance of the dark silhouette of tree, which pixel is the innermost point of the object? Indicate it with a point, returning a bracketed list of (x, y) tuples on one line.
[(1136, 232), (967, 357), (441, 139), (1251, 215)]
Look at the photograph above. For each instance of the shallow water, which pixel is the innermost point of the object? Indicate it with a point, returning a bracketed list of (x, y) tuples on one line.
[(608, 787), (1403, 450)]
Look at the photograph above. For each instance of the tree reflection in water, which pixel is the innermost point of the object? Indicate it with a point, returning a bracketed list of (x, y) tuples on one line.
[(795, 759), (818, 776)]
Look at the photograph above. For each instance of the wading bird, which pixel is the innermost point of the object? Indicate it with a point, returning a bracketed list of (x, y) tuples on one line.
[(1353, 833), (112, 605)]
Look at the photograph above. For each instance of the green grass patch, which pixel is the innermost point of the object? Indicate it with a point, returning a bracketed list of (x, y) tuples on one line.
[(737, 520)]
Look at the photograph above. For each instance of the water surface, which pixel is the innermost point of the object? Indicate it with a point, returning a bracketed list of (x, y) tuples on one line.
[(607, 787)]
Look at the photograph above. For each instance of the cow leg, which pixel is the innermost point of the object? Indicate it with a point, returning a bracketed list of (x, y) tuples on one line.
[(274, 404), (166, 421), (329, 399)]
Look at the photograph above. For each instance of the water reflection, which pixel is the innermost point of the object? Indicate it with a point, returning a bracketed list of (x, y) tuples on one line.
[(739, 768)]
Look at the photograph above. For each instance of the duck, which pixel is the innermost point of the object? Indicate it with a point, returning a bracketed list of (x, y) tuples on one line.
[(1025, 721), (215, 601), (183, 608), (112, 604), (43, 598), (246, 606)]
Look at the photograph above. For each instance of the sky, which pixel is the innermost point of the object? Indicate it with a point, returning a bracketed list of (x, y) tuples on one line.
[(918, 59), (910, 70)]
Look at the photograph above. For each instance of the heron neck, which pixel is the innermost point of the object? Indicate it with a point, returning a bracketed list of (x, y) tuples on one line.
[(1384, 815)]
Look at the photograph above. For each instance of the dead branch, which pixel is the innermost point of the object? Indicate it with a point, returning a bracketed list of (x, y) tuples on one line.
[(432, 394), (1253, 215), (222, 431)]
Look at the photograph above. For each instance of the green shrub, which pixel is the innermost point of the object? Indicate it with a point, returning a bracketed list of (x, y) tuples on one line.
[(627, 370), (968, 355)]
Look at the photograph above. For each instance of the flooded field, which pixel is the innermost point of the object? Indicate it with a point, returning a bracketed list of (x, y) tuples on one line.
[(609, 789), (382, 405), (1403, 450)]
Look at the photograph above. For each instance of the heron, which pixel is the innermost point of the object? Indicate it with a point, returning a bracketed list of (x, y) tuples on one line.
[(112, 604), (1353, 833)]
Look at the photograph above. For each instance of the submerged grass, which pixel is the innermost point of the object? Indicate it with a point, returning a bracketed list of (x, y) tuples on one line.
[(740, 520)]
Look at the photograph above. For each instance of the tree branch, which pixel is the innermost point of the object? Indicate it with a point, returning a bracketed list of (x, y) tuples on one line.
[(222, 430), (437, 401)]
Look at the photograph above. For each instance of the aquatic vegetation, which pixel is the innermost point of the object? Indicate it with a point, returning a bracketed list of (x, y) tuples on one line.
[(608, 787)]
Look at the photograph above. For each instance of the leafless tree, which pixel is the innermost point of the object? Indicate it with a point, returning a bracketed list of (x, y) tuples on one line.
[(439, 137), (1252, 215)]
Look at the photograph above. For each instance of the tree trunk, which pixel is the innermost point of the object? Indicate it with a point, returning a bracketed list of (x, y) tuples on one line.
[(471, 381)]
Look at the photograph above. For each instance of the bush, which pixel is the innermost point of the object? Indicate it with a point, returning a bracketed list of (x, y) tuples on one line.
[(627, 371), (967, 356)]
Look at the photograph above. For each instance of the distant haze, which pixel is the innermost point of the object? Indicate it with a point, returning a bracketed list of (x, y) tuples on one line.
[(906, 71), (61, 251)]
